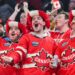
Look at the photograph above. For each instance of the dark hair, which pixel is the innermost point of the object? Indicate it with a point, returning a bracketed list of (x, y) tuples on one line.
[(65, 13), (18, 15)]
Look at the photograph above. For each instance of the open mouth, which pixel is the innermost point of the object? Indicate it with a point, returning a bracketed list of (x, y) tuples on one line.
[(13, 34), (36, 25)]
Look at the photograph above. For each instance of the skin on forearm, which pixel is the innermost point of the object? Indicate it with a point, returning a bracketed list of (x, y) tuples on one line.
[(13, 16), (16, 11), (25, 7)]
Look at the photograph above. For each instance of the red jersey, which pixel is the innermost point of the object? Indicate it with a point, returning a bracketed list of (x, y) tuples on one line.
[(6, 47), (56, 36), (66, 54), (66, 35), (35, 54)]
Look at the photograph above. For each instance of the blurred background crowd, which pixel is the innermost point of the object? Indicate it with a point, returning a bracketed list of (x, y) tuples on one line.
[(7, 6)]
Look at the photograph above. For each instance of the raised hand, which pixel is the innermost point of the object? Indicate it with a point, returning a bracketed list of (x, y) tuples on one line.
[(25, 5), (17, 9)]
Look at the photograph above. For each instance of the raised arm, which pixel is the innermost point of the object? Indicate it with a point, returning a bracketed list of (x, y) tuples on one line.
[(14, 14)]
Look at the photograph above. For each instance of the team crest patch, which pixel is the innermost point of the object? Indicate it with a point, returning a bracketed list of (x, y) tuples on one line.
[(64, 44), (35, 43), (7, 44)]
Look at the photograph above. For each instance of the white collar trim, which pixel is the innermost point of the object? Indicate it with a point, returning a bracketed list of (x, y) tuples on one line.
[(41, 35)]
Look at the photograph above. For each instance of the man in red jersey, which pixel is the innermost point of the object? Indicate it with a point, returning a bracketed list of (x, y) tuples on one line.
[(36, 49), (14, 32), (65, 52), (61, 26), (71, 32)]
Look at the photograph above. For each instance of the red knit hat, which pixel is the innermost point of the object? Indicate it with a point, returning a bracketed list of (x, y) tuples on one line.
[(71, 17), (40, 13), (14, 23)]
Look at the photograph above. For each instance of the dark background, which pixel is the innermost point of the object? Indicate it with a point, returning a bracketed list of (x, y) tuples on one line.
[(46, 5), (37, 4), (7, 6)]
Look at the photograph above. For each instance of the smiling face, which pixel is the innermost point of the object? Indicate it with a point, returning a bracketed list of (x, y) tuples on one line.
[(37, 23), (14, 33)]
